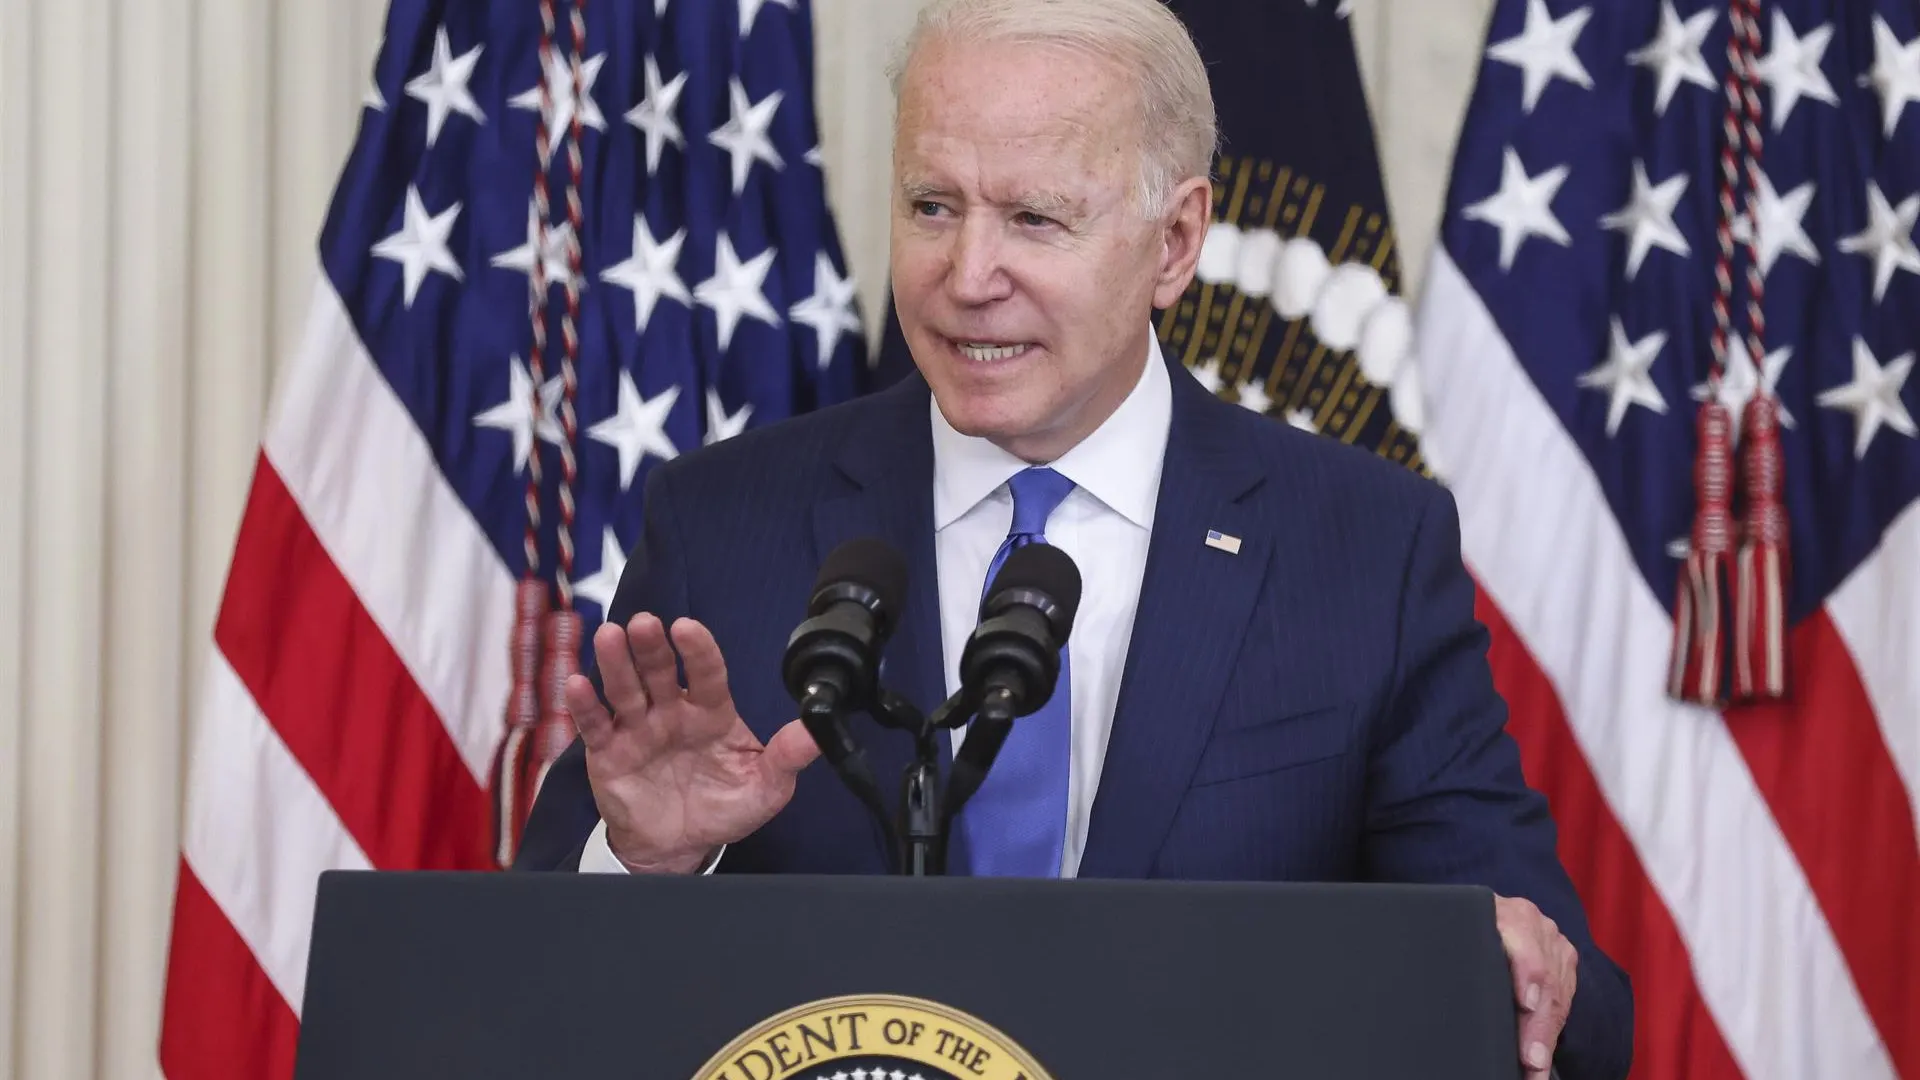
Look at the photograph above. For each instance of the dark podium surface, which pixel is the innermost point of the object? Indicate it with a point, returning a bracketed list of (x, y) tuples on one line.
[(570, 976)]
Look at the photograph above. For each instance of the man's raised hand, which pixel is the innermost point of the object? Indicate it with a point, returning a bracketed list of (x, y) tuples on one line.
[(675, 772)]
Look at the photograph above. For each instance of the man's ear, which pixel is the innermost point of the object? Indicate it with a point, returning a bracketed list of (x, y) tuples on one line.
[(1184, 234)]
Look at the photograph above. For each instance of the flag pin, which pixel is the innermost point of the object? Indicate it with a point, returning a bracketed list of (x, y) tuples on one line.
[(1218, 539)]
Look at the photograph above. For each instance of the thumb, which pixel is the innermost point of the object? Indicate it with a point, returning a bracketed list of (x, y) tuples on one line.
[(792, 748)]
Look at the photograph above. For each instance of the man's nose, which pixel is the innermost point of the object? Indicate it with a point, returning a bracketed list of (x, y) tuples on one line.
[(977, 274)]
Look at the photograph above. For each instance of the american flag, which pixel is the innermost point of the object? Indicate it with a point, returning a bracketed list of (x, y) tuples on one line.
[(1661, 213), (572, 240)]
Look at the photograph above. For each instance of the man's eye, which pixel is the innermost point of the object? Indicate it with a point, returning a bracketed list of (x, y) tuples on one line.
[(1032, 220), (927, 208)]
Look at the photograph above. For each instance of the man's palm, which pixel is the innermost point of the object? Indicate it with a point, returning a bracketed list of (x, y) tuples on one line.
[(675, 772)]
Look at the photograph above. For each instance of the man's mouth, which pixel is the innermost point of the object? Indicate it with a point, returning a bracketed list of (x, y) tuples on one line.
[(985, 352)]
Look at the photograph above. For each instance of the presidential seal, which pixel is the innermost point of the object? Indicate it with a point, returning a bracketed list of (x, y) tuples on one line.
[(872, 1037)]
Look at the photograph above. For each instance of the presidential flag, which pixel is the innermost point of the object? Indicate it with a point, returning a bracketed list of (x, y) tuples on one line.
[(571, 241), (1668, 342), (1295, 310)]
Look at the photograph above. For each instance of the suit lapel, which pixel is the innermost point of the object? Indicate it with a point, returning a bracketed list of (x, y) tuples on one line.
[(887, 493), (1195, 600)]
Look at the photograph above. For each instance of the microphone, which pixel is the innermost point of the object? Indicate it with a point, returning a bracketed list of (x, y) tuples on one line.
[(1011, 663), (1014, 654), (832, 662), (833, 657)]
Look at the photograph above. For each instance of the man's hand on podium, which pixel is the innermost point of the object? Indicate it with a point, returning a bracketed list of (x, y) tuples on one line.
[(1544, 967), (675, 772)]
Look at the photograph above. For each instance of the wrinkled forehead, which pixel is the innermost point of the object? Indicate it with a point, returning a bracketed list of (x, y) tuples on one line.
[(1013, 114)]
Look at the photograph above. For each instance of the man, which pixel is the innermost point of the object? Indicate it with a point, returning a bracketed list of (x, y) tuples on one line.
[(1275, 672)]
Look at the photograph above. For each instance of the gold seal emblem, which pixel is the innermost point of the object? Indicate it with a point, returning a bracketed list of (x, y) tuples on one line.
[(872, 1037)]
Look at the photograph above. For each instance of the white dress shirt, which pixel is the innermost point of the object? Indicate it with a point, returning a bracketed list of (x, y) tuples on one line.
[(1104, 525)]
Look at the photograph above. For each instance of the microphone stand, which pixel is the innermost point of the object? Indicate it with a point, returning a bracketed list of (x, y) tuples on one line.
[(922, 841), (921, 832), (918, 836)]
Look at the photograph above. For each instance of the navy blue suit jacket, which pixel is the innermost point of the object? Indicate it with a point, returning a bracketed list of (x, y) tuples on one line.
[(1318, 706)]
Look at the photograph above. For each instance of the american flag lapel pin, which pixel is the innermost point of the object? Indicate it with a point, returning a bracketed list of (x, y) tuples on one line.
[(1220, 540)]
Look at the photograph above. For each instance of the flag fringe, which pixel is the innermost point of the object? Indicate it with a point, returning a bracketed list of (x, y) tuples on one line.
[(562, 661), (1760, 584), (1697, 671), (512, 787)]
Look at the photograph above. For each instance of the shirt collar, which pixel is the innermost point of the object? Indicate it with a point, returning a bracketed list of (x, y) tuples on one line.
[(1118, 464)]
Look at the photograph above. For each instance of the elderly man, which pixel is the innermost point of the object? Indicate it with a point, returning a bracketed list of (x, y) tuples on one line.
[(1310, 700)]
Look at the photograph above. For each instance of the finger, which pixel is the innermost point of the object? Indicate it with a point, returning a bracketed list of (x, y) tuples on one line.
[(1529, 966), (617, 673), (1569, 981), (706, 667), (653, 658), (1540, 1028), (591, 717), (792, 748), (1539, 1033), (1519, 936)]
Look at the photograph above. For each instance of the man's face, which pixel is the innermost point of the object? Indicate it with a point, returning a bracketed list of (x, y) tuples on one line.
[(1024, 272)]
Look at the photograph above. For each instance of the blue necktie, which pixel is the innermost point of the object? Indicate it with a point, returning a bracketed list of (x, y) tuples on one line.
[(1016, 824)]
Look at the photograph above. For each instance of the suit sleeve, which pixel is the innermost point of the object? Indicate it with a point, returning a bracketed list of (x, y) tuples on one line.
[(1449, 802), (564, 813)]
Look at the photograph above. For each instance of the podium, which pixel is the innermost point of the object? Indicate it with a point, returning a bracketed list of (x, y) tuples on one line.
[(598, 977)]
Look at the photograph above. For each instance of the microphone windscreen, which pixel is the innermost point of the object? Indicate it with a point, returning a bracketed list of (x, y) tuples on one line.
[(869, 562), (1047, 570)]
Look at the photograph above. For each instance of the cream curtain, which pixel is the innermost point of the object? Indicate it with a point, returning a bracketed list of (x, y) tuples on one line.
[(164, 167)]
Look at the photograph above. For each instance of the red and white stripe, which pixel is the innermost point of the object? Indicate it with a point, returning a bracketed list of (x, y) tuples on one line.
[(352, 704), (1883, 640), (1756, 870)]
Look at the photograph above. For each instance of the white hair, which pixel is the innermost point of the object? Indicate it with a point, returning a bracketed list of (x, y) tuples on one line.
[(1178, 127)]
